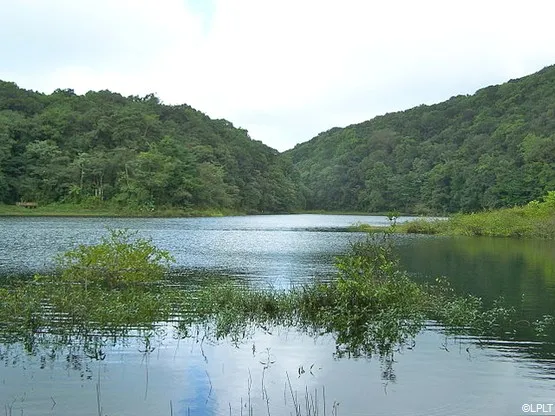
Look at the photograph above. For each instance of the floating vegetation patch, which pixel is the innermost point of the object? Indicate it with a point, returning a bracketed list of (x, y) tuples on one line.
[(119, 287)]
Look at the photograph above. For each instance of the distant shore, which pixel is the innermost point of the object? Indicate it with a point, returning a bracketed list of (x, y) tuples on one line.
[(535, 220), (72, 210), (67, 210)]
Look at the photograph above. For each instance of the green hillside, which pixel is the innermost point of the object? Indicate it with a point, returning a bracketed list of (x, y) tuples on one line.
[(493, 149), (103, 149)]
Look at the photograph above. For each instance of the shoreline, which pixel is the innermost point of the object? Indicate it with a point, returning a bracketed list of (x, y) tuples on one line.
[(75, 211)]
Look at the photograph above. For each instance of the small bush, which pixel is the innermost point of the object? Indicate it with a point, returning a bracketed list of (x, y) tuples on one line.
[(422, 226), (119, 260)]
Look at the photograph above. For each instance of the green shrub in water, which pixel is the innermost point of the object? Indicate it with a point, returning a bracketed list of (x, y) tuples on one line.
[(370, 307), (118, 261)]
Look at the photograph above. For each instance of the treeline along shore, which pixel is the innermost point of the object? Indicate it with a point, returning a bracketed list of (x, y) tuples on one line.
[(105, 153)]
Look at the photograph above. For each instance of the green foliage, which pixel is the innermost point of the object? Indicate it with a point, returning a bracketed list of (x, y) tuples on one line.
[(117, 261), (534, 220), (371, 307), (490, 150), (133, 153), (545, 327), (110, 286), (422, 226), (443, 305), (468, 314)]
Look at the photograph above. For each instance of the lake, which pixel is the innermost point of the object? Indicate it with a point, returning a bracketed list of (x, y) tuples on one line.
[(270, 371)]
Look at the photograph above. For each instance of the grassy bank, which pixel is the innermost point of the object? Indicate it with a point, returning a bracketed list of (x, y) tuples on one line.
[(73, 210), (108, 210), (534, 220)]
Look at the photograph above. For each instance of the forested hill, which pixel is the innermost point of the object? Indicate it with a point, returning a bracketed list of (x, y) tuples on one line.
[(133, 152), (493, 149)]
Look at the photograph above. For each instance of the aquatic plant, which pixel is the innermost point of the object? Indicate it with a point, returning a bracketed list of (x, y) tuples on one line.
[(371, 307), (119, 260), (103, 288)]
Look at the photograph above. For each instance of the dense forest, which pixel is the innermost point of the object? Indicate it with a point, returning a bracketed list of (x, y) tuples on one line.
[(133, 152), (493, 149)]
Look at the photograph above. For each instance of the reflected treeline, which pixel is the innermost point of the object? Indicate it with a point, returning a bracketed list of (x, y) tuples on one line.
[(372, 308), (522, 271)]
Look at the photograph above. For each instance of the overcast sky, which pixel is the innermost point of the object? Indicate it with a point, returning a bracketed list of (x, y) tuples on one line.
[(285, 70)]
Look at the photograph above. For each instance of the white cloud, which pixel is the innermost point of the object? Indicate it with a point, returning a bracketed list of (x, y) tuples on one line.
[(285, 70)]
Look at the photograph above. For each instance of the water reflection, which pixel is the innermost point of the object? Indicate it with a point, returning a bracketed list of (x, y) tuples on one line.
[(437, 374), (522, 271)]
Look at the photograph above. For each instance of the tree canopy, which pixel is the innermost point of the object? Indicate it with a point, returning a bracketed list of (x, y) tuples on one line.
[(493, 149), (135, 152)]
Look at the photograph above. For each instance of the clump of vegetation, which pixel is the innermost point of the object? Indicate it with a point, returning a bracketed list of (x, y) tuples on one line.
[(534, 220), (111, 285), (371, 307), (117, 261), (372, 304), (422, 226)]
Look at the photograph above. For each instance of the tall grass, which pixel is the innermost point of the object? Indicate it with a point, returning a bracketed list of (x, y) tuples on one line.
[(534, 220)]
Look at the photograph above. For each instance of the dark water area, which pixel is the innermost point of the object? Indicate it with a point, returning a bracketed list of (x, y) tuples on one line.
[(268, 371), (520, 271)]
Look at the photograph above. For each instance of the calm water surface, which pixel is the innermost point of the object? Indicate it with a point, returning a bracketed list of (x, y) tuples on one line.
[(440, 375), (273, 248), (521, 271)]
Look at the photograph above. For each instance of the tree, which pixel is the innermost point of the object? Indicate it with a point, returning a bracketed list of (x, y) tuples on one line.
[(212, 191), (47, 176)]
